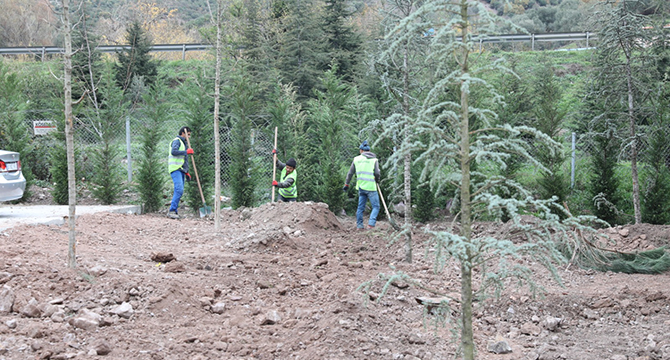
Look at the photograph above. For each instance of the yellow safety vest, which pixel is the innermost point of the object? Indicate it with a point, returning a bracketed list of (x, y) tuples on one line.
[(290, 192), (176, 162), (365, 173)]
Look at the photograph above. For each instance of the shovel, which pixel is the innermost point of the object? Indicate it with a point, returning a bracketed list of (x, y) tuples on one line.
[(391, 221), (204, 210)]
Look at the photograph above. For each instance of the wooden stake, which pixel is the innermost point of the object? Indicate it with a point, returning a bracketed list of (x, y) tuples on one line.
[(274, 165)]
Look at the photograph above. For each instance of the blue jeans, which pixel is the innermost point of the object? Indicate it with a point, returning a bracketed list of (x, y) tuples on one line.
[(178, 180), (363, 197)]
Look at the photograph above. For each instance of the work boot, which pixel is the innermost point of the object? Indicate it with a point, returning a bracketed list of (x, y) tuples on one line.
[(173, 215)]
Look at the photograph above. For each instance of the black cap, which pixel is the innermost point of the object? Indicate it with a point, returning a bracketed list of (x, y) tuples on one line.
[(291, 163)]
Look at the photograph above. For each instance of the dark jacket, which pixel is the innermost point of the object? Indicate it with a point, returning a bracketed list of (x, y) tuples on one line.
[(176, 152)]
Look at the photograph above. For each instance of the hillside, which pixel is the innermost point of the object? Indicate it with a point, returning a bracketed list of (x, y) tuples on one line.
[(34, 23)]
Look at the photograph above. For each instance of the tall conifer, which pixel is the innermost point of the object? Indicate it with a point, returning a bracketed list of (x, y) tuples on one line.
[(151, 170), (243, 106), (136, 60), (301, 47), (107, 183), (343, 43), (623, 73), (197, 105), (459, 134), (548, 118)]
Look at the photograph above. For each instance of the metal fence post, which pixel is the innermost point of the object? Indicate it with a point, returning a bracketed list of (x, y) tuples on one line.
[(532, 42), (572, 165), (130, 165)]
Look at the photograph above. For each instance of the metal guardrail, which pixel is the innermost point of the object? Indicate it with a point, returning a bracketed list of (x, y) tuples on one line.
[(44, 50), (183, 48), (532, 38)]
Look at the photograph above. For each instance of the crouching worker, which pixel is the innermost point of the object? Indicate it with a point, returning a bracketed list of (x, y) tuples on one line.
[(287, 184)]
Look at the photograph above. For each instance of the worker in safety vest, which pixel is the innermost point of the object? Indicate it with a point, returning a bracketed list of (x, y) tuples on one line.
[(288, 180), (366, 168), (178, 168)]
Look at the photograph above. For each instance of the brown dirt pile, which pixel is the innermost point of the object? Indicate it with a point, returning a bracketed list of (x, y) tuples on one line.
[(280, 282)]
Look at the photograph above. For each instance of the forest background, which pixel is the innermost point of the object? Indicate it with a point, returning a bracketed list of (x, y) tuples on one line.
[(322, 73)]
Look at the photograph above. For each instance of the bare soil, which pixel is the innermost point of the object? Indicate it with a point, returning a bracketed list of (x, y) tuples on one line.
[(281, 282)]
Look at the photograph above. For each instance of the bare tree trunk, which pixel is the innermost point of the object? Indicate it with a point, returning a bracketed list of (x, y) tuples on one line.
[(217, 101), (467, 338), (69, 135), (633, 145), (407, 159)]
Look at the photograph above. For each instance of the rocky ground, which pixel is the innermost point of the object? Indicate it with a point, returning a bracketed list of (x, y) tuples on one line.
[(281, 282)]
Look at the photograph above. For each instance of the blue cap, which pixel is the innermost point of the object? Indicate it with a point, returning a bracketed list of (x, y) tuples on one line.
[(364, 146)]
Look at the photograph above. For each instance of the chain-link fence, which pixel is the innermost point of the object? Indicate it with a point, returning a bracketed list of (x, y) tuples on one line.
[(88, 135), (578, 147)]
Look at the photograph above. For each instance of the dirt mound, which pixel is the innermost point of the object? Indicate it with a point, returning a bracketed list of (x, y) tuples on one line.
[(279, 224), (635, 238), (306, 216)]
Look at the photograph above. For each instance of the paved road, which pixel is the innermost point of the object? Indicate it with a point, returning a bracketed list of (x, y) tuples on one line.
[(12, 215)]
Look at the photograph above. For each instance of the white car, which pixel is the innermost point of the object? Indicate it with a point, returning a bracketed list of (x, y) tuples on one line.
[(12, 182)]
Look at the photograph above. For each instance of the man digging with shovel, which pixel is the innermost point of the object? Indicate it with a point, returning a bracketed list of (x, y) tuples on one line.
[(366, 168), (178, 168)]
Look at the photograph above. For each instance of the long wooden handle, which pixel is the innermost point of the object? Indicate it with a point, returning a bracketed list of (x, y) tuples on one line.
[(274, 165), (391, 221), (195, 170), (383, 201)]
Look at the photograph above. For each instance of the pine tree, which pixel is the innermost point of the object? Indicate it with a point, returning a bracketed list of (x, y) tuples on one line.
[(151, 170), (243, 105), (457, 134), (604, 183), (107, 183), (515, 111), (424, 196), (548, 118), (400, 67), (656, 199), (136, 60), (301, 48), (87, 65), (58, 171), (198, 117), (328, 134), (623, 73), (343, 43)]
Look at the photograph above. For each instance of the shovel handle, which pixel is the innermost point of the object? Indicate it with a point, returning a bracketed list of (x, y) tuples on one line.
[(195, 170), (395, 226), (274, 166)]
